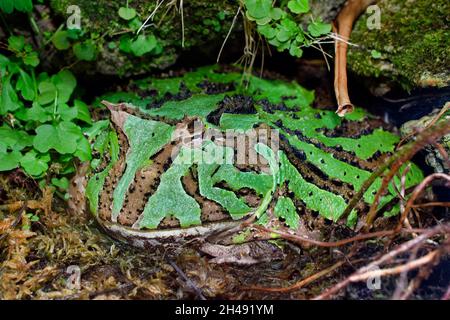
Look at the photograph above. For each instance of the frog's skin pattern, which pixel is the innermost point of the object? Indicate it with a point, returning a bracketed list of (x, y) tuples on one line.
[(323, 161)]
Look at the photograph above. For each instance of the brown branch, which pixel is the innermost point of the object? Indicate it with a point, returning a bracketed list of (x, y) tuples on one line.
[(417, 191), (332, 244), (414, 243), (343, 28)]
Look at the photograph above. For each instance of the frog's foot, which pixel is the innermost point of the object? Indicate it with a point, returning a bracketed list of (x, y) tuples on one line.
[(243, 254)]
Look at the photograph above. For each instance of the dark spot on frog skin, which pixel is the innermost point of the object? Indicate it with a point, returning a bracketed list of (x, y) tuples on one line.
[(216, 88), (237, 104)]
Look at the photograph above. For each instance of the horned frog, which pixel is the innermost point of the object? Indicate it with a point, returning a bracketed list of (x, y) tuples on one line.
[(195, 156)]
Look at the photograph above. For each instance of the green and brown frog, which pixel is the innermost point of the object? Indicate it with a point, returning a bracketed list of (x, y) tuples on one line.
[(166, 169)]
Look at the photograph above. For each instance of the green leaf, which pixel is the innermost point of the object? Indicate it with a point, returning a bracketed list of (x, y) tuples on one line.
[(258, 9), (47, 92), (16, 43), (143, 44), (8, 99), (83, 152), (25, 85), (263, 21), (85, 50), (63, 138), (31, 59), (65, 82), (96, 128), (296, 51), (62, 183), (276, 13), (67, 113), (14, 139), (267, 31), (127, 13), (24, 5), (298, 6), (33, 164), (9, 161), (61, 40), (318, 28), (125, 43), (7, 6), (35, 113), (375, 54), (83, 111)]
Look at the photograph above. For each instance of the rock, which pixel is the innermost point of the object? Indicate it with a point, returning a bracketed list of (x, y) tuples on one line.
[(410, 48)]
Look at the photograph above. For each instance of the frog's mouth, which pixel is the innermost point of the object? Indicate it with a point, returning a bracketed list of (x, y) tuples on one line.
[(174, 236)]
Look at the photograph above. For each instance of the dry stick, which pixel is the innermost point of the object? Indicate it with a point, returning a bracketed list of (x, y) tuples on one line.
[(397, 269), (387, 257), (302, 282), (332, 244), (404, 154), (417, 191), (432, 204), (343, 27), (228, 34)]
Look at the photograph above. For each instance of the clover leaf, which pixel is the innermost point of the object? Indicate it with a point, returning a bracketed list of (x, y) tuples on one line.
[(63, 137), (47, 92), (143, 44), (35, 164), (127, 13), (258, 9), (85, 50), (9, 160), (65, 82), (16, 43), (61, 40), (298, 6), (318, 28)]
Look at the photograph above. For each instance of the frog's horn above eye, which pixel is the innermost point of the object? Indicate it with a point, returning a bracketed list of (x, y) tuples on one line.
[(109, 105)]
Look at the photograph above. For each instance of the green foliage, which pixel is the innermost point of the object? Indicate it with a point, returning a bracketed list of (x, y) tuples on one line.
[(42, 125), (140, 45), (127, 13), (278, 25), (8, 6), (85, 50)]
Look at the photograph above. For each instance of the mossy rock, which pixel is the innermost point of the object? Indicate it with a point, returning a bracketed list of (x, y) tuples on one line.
[(206, 24), (414, 42)]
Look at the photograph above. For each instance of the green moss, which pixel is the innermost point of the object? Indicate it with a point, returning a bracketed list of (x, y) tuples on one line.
[(414, 42)]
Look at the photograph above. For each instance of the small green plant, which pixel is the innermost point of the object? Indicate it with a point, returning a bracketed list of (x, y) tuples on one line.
[(127, 13), (83, 49), (42, 126), (29, 218), (8, 6), (279, 26)]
